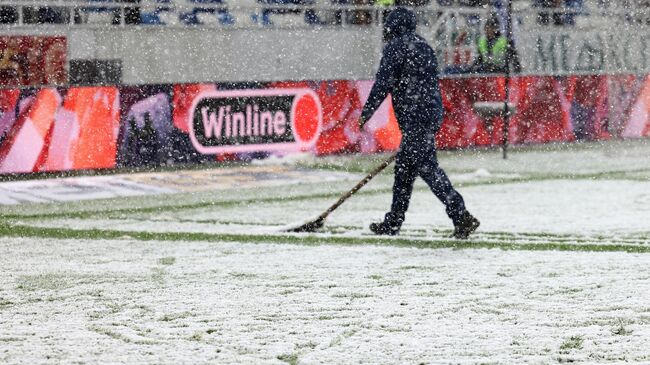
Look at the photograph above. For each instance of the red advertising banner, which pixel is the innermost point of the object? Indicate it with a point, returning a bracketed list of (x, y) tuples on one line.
[(61, 129), (31, 60), (58, 130)]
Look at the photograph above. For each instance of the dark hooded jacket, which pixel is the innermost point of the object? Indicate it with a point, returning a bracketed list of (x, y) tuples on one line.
[(409, 72)]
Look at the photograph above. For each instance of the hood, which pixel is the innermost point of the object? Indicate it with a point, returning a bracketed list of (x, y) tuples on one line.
[(399, 22)]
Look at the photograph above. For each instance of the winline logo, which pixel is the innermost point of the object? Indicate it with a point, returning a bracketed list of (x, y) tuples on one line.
[(231, 121)]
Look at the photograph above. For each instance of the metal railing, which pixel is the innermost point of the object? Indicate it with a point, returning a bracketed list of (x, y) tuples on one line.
[(73, 11), (192, 13)]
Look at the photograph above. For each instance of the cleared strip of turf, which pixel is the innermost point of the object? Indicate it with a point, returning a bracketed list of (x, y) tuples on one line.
[(310, 239), (414, 233), (177, 207), (275, 199), (198, 205)]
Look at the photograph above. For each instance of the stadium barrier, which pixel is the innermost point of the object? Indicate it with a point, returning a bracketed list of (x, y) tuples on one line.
[(107, 127)]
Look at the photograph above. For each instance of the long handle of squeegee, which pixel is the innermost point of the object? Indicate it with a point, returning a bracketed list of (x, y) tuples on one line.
[(361, 184)]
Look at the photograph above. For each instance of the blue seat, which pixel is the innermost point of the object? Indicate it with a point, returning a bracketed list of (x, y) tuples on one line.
[(223, 16), (153, 17), (309, 17), (99, 9)]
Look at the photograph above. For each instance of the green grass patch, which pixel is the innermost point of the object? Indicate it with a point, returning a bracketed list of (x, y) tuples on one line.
[(197, 337), (174, 316), (571, 343), (352, 295), (309, 239), (242, 275), (43, 282), (118, 336), (291, 359), (167, 260)]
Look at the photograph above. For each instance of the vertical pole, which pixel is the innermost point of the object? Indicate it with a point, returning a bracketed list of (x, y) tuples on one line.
[(506, 117)]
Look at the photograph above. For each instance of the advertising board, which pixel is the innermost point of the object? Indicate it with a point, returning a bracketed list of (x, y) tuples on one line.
[(79, 128)]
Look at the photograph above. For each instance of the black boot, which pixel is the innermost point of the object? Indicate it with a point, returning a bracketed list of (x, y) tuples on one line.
[(390, 226), (465, 226)]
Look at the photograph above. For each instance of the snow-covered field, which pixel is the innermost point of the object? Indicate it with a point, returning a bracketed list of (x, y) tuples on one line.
[(558, 271)]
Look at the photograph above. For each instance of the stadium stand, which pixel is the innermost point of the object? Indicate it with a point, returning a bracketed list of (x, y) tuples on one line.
[(292, 13), (253, 38)]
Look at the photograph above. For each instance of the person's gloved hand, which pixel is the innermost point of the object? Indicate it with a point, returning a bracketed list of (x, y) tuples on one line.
[(362, 122)]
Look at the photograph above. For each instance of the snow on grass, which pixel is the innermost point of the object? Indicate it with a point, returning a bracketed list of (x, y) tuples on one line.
[(209, 278), (613, 209), (140, 302), (537, 160)]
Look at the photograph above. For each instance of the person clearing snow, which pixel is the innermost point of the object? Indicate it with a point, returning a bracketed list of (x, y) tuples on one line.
[(409, 72)]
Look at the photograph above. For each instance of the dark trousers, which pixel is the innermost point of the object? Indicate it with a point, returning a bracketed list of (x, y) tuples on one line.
[(419, 159)]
